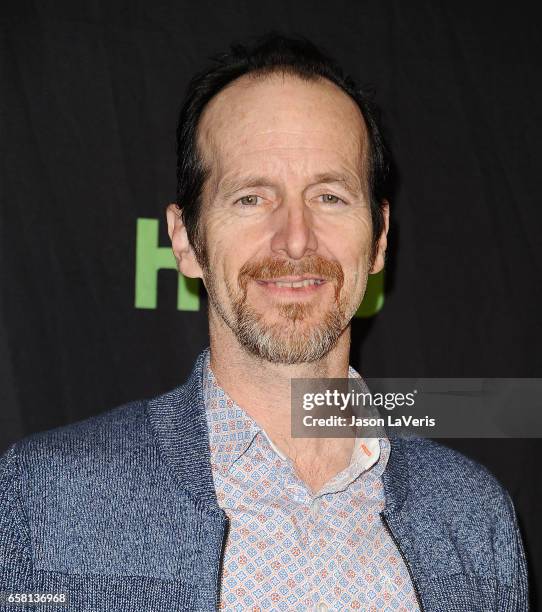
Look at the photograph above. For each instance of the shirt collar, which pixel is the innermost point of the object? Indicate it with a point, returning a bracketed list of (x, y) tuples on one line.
[(232, 431)]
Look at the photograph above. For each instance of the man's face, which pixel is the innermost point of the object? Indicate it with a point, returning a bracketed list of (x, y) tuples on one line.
[(286, 221)]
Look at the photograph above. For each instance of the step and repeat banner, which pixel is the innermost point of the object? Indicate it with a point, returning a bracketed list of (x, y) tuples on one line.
[(93, 312)]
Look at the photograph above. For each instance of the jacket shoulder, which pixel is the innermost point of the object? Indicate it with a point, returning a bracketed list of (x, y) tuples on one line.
[(86, 449), (436, 468), (107, 452), (106, 433)]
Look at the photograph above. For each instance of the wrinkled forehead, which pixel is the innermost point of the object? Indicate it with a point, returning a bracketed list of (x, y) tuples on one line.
[(284, 115)]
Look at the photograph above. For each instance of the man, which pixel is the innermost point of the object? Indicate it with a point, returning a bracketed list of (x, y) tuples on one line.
[(202, 498)]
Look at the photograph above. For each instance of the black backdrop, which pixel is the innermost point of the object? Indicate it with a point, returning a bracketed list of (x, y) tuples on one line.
[(91, 91)]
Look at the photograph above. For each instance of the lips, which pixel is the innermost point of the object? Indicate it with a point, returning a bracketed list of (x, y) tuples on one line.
[(292, 283)]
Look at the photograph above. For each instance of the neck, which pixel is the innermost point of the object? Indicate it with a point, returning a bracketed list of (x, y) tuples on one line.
[(262, 390)]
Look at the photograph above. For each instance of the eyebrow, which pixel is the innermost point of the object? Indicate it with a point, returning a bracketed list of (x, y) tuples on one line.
[(231, 185), (349, 181)]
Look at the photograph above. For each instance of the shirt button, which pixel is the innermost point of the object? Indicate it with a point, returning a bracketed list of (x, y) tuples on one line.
[(321, 607), (315, 508)]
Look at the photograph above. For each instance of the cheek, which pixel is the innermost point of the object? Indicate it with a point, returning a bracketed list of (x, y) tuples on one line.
[(350, 243), (225, 260), (218, 238), (359, 242), (232, 241)]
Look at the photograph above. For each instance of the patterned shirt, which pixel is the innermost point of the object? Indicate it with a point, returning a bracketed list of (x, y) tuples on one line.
[(291, 549)]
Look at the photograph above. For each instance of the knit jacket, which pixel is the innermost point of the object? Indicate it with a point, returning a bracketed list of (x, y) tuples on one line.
[(119, 512)]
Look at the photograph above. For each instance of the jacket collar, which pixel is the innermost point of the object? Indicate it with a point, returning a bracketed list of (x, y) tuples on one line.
[(180, 427), (395, 476)]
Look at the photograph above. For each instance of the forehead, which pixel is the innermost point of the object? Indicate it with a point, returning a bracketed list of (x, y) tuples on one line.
[(282, 117)]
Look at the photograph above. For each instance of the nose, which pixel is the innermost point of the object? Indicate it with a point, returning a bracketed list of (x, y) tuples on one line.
[(295, 237)]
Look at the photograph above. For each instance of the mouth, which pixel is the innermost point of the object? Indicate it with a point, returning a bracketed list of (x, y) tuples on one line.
[(292, 285), (289, 282)]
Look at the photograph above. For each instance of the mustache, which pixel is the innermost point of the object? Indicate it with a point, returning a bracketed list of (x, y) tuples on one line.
[(270, 268)]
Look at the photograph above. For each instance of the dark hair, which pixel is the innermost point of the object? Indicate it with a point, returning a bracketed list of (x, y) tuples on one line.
[(270, 54)]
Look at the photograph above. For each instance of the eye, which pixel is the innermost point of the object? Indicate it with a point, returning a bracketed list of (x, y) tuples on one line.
[(329, 198), (248, 200)]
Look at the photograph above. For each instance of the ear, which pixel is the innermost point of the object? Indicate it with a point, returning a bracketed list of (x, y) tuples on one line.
[(382, 244), (182, 249)]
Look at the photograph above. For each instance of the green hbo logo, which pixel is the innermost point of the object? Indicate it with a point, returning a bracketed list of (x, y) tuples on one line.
[(150, 258)]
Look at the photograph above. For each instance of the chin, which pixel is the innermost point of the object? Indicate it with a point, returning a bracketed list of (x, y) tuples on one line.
[(289, 341), (287, 353)]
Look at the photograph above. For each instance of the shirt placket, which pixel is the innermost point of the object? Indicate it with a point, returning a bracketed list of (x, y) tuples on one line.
[(310, 520)]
